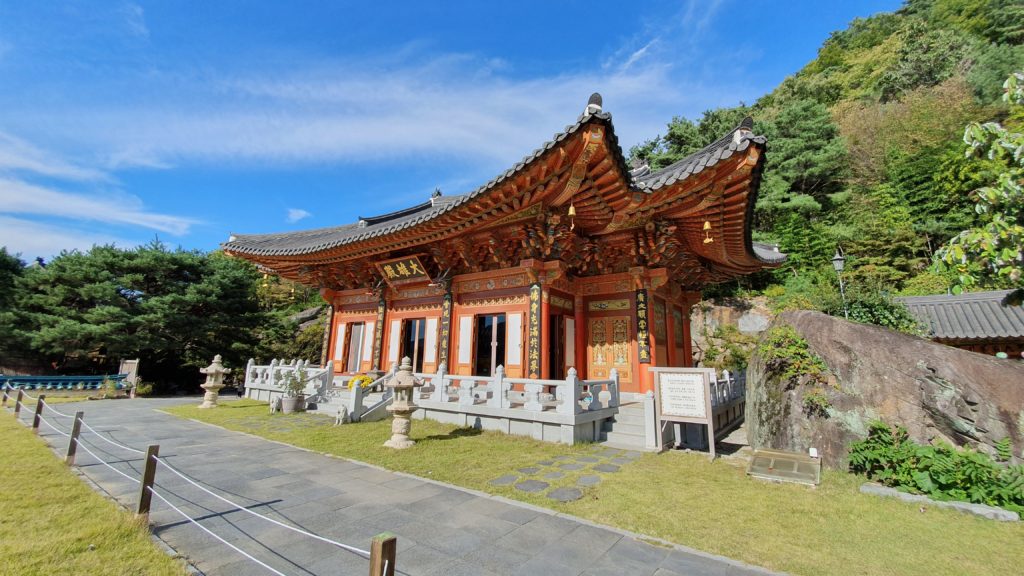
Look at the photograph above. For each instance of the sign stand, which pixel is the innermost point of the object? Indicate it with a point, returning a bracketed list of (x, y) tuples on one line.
[(683, 395)]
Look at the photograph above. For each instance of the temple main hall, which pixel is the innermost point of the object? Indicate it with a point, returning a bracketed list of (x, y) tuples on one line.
[(569, 259)]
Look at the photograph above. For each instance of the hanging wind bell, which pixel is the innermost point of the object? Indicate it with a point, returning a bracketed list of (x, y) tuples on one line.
[(265, 283), (572, 216), (707, 232)]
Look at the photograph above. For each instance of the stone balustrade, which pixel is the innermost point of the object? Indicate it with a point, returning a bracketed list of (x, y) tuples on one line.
[(266, 382), (568, 410)]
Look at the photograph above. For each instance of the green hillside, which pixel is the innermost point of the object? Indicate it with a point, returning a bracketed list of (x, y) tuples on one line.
[(866, 149)]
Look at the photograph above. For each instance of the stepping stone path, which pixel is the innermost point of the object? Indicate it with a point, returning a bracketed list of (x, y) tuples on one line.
[(562, 481), (532, 486), (504, 480), (565, 494)]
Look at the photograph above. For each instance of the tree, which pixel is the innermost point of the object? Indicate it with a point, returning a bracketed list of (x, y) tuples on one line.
[(11, 336), (173, 309), (994, 251), (684, 137)]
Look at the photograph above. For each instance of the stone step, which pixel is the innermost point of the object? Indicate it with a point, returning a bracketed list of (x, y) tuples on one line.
[(627, 428), (626, 439), (629, 418)]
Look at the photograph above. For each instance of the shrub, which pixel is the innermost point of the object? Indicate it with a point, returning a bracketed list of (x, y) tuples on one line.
[(361, 380), (942, 472), (787, 356), (143, 388)]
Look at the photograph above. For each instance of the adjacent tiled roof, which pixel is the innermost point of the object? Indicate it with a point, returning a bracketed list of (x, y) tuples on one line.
[(768, 253), (312, 241), (737, 140), (978, 315)]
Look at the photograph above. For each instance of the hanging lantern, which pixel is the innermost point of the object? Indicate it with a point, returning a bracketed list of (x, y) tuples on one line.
[(707, 232)]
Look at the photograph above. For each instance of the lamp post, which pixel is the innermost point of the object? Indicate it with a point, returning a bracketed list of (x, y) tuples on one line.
[(838, 261)]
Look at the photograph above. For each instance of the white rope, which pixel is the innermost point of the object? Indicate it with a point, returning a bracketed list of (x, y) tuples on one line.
[(52, 427), (109, 441), (27, 395), (352, 549), (207, 530), (102, 461), (55, 411)]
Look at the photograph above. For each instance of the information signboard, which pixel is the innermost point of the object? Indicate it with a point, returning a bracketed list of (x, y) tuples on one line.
[(683, 395)]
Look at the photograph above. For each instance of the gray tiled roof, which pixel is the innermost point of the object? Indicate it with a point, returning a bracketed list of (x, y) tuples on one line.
[(737, 140), (311, 241), (978, 315)]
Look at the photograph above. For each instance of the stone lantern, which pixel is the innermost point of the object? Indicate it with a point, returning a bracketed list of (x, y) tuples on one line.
[(214, 382), (403, 384)]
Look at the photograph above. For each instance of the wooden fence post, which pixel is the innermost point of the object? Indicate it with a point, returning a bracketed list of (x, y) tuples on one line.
[(148, 475), (7, 394), (39, 413), (17, 402), (76, 429), (382, 554)]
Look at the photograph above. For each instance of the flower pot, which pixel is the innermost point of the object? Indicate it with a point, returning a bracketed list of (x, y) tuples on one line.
[(291, 404)]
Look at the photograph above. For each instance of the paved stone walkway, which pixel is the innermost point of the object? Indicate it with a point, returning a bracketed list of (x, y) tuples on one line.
[(442, 530), (561, 478)]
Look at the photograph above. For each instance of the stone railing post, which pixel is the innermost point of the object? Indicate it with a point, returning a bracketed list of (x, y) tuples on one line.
[(497, 388), (613, 389), (440, 393), (571, 393), (273, 372), (250, 372), (650, 423), (466, 392), (357, 403)]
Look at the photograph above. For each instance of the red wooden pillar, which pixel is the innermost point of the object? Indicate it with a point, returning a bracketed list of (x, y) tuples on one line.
[(545, 333), (670, 335), (580, 320)]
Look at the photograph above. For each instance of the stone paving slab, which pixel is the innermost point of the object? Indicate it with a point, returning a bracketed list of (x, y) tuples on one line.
[(441, 529)]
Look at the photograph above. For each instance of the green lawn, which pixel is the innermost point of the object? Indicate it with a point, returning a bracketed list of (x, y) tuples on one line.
[(684, 498), (49, 519)]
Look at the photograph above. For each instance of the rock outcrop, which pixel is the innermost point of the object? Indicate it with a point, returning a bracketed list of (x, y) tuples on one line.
[(710, 323), (935, 391)]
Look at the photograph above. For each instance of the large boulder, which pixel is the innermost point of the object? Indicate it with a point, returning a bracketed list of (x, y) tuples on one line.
[(935, 391)]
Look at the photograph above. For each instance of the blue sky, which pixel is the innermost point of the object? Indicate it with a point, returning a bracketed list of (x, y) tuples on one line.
[(123, 121)]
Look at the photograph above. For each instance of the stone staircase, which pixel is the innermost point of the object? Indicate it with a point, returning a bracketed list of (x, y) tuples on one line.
[(626, 431), (339, 395)]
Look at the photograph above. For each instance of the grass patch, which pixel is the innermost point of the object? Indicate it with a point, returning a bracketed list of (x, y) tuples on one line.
[(49, 519), (683, 498)]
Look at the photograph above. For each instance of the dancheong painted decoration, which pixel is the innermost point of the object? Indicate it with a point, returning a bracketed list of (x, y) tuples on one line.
[(557, 263)]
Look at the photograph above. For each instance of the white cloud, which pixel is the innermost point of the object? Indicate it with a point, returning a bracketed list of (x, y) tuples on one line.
[(296, 214), (35, 239), (135, 19), (17, 155), (18, 197)]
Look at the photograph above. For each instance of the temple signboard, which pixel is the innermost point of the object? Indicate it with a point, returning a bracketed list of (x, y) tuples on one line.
[(404, 270)]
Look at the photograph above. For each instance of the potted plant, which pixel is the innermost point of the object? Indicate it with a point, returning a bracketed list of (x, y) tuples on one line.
[(294, 384)]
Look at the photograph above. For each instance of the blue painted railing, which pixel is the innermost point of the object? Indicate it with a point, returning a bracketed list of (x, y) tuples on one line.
[(62, 382)]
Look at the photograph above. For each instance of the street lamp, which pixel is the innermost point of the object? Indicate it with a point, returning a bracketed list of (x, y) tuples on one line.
[(838, 261)]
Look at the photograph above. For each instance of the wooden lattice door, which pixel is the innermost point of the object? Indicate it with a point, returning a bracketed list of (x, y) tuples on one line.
[(609, 346)]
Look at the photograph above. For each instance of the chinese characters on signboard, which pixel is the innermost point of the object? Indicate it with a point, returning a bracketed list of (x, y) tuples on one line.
[(446, 323), (403, 270), (533, 342), (643, 339), (378, 334)]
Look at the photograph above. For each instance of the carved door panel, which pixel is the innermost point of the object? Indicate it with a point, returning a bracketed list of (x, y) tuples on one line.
[(609, 346)]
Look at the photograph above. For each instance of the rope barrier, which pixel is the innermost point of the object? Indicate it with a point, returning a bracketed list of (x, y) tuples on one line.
[(208, 531), (27, 395), (102, 461), (52, 427), (55, 411), (109, 441), (181, 475)]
